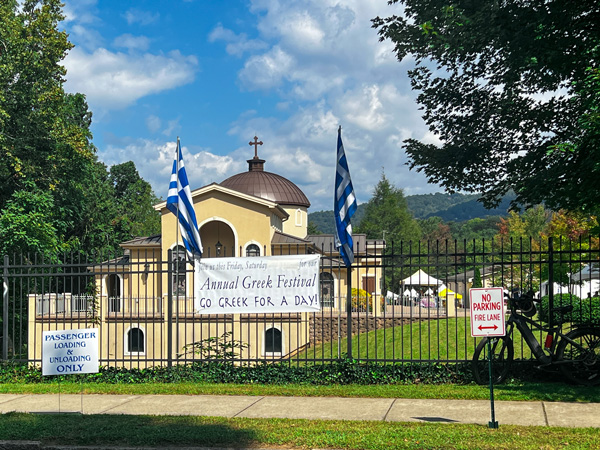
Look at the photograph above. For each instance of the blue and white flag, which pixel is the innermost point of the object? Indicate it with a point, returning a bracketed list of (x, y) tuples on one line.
[(345, 205), (179, 202)]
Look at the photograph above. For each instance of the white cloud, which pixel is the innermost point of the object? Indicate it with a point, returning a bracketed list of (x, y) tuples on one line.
[(81, 11), (302, 147), (153, 123), (116, 80), (328, 46), (267, 70), (131, 42), (154, 162), (134, 15), (172, 125), (237, 44)]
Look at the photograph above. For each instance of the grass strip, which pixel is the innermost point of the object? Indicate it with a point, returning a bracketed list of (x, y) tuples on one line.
[(159, 431), (521, 391)]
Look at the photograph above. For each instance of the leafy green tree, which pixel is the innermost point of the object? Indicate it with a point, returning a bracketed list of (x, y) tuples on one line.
[(44, 137), (134, 200), (435, 229), (26, 224), (477, 282), (387, 212), (507, 88), (312, 228), (475, 229), (55, 196), (530, 224), (584, 147)]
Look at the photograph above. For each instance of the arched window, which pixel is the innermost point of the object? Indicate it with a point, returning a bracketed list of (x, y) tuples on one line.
[(273, 341), (327, 294), (179, 270), (113, 289), (253, 250), (135, 341), (298, 217)]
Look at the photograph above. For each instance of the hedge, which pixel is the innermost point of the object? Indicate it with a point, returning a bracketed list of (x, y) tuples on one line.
[(559, 300), (586, 311), (341, 372)]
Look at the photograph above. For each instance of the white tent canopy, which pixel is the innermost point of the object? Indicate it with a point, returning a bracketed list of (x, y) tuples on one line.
[(589, 272), (420, 278), (391, 296)]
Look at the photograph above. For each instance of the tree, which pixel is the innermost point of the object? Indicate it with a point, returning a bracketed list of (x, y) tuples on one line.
[(387, 213), (26, 224), (434, 229), (530, 224), (506, 86), (134, 198), (477, 282), (55, 195)]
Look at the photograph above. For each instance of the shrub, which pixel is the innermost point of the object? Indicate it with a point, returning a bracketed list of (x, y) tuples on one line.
[(361, 300), (343, 371), (586, 311), (559, 300)]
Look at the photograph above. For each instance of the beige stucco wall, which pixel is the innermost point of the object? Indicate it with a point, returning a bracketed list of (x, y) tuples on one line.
[(297, 224)]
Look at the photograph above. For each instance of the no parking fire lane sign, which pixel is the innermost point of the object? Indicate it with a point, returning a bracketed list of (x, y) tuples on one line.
[(487, 312)]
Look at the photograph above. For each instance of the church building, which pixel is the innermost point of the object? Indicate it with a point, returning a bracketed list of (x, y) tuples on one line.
[(144, 302)]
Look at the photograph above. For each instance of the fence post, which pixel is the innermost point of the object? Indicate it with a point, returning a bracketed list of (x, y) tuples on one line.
[(550, 280), (5, 310), (170, 309)]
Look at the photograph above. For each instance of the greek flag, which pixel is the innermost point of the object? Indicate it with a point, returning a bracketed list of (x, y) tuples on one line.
[(179, 202), (345, 205)]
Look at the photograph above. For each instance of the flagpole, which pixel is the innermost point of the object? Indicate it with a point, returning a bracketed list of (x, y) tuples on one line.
[(177, 274), (349, 311)]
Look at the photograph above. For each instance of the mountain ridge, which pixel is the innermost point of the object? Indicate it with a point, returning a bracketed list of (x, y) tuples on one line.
[(449, 207)]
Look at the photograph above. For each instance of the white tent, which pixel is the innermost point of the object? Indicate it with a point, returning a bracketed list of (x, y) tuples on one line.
[(412, 293), (392, 296), (420, 278), (589, 272), (587, 281)]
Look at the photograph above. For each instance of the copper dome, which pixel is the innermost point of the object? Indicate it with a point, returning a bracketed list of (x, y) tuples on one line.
[(267, 185)]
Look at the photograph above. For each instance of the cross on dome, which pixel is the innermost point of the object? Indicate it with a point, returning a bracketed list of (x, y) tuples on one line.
[(256, 143)]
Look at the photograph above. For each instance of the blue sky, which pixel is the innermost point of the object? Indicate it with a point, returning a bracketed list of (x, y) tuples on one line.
[(217, 73)]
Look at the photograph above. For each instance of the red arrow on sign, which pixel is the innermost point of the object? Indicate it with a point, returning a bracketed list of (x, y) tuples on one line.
[(481, 327)]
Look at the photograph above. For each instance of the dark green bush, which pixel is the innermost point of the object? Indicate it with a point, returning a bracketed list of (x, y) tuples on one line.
[(344, 371), (559, 300), (339, 372), (586, 311)]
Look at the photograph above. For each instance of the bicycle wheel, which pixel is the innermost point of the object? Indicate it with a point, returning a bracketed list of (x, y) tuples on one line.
[(583, 354), (502, 357)]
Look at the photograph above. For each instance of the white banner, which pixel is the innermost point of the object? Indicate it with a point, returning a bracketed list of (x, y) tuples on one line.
[(270, 284), (66, 352)]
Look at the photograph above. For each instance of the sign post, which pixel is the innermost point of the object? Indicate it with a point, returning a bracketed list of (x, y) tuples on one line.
[(67, 352), (488, 320)]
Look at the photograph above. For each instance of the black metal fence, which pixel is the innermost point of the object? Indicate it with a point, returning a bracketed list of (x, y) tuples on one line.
[(409, 302)]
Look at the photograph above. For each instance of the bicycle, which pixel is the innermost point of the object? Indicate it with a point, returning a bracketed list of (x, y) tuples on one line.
[(576, 352)]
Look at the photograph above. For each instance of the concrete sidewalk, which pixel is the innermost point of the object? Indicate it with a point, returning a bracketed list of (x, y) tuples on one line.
[(320, 408)]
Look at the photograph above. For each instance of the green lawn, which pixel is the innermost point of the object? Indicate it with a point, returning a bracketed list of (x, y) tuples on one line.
[(436, 340), (515, 391), (161, 431)]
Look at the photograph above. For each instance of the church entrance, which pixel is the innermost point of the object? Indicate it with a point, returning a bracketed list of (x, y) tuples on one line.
[(218, 240)]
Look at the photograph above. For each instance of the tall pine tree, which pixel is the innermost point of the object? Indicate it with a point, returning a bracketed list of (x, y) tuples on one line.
[(387, 214)]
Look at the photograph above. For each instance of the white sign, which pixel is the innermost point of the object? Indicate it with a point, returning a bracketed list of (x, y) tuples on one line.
[(271, 284), (487, 311), (67, 352)]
